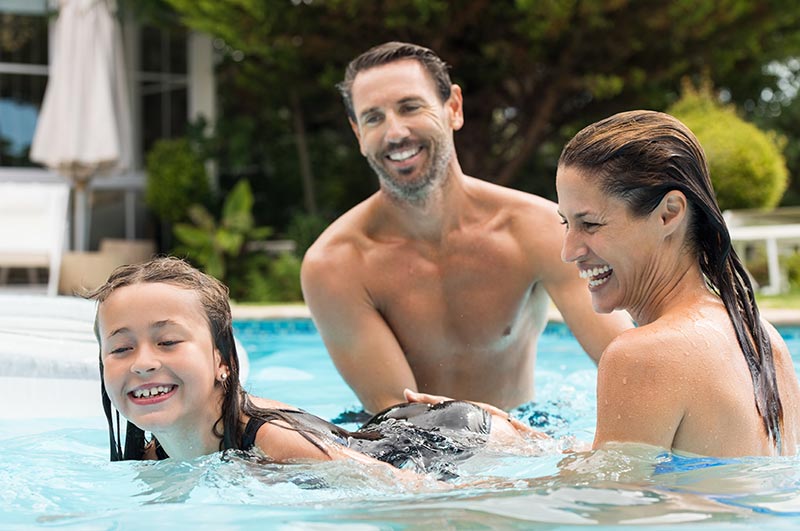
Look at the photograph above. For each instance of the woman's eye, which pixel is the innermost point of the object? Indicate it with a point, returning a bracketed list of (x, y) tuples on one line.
[(169, 342)]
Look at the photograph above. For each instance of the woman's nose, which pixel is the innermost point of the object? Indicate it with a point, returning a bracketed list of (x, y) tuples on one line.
[(573, 247)]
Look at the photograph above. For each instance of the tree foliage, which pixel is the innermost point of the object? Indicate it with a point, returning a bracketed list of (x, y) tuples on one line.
[(746, 164), (176, 179), (533, 72)]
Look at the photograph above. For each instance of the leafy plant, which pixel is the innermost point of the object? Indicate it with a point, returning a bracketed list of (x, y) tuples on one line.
[(304, 229), (214, 245), (746, 164), (176, 179), (277, 281), (791, 264)]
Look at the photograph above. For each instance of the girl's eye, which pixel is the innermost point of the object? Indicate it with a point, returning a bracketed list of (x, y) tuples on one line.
[(168, 343), (119, 350)]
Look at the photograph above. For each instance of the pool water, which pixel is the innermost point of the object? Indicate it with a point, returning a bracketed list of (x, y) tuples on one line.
[(56, 474)]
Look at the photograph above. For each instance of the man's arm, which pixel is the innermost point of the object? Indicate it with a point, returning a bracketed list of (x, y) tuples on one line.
[(571, 296), (361, 344)]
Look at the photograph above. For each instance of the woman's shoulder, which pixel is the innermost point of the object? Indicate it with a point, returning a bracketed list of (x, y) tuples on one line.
[(659, 345)]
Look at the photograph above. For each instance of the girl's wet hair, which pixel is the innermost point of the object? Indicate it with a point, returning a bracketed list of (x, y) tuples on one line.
[(213, 296), (640, 156)]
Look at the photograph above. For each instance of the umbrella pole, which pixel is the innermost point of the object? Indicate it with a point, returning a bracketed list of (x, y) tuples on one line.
[(79, 215)]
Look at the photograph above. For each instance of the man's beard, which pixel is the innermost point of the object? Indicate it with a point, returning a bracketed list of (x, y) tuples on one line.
[(416, 191)]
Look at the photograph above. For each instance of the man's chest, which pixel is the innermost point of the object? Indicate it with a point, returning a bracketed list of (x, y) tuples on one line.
[(474, 298)]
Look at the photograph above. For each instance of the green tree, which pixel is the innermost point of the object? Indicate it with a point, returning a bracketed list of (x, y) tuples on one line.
[(533, 72), (778, 108), (747, 167)]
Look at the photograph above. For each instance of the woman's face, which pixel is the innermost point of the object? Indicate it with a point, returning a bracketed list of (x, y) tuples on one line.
[(160, 366), (617, 253)]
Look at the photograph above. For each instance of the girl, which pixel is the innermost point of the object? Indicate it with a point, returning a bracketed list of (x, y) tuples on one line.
[(169, 366)]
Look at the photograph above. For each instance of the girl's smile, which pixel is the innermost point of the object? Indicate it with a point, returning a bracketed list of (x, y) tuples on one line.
[(160, 367)]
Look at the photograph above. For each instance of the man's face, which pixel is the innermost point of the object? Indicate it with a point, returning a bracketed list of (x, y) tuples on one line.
[(404, 130)]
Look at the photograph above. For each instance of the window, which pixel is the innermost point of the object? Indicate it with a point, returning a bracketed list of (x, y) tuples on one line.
[(163, 84), (23, 76), (157, 58), (159, 90)]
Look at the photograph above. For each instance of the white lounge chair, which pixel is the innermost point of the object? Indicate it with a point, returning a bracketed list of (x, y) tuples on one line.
[(33, 224)]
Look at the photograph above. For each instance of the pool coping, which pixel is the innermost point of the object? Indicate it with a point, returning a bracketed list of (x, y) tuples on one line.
[(776, 316)]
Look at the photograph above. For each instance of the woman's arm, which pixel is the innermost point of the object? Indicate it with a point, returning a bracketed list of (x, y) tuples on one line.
[(640, 393)]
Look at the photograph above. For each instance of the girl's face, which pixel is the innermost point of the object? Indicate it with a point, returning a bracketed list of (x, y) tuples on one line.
[(160, 367)]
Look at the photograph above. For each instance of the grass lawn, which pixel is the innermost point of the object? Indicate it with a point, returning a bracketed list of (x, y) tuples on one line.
[(790, 300)]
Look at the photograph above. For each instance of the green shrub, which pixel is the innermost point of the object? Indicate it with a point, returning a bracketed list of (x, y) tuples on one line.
[(220, 248), (176, 179), (304, 229), (792, 265), (747, 167), (278, 280)]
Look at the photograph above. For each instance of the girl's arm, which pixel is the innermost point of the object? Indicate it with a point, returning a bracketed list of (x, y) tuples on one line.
[(285, 445)]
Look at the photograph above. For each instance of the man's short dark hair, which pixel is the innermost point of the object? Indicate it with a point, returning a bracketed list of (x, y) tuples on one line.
[(388, 53)]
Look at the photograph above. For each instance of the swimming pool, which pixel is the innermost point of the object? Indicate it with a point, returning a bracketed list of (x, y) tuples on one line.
[(56, 474)]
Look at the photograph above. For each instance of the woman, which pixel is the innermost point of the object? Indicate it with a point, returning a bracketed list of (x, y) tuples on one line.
[(168, 364), (702, 372)]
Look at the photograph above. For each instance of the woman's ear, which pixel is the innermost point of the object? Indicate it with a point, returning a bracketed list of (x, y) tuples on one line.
[(672, 210)]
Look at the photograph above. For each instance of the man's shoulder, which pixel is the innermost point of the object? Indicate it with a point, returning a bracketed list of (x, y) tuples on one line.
[(525, 203), (344, 233)]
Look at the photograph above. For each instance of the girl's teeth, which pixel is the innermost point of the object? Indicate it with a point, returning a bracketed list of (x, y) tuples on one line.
[(153, 391)]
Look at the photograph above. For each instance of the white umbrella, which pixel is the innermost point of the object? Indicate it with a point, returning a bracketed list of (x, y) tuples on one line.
[(84, 128)]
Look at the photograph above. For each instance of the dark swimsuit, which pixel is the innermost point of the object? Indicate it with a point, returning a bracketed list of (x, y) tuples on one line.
[(427, 437)]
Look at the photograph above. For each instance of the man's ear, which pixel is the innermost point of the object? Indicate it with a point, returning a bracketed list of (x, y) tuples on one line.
[(672, 210), (357, 132), (455, 107)]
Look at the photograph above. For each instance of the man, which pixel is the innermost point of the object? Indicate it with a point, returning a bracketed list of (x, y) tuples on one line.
[(438, 282)]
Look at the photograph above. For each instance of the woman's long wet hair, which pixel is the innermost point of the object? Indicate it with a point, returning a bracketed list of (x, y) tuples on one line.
[(213, 296), (640, 156)]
